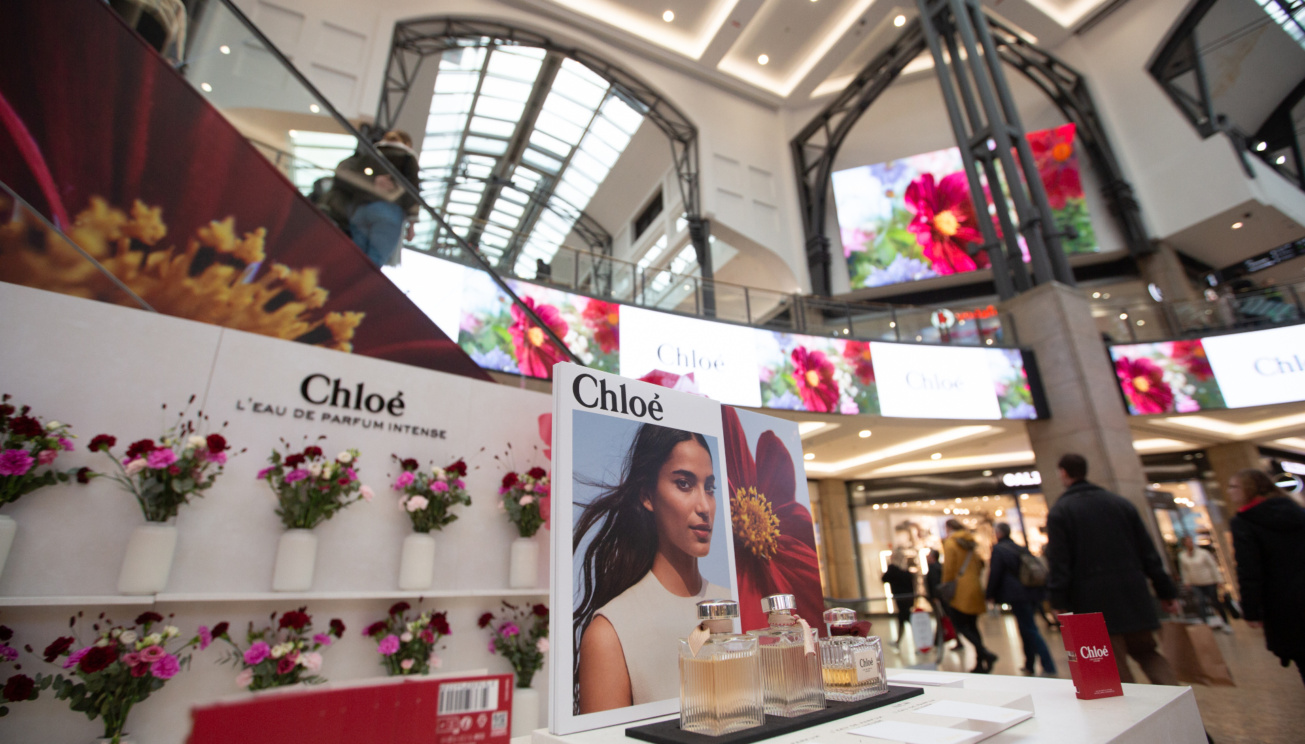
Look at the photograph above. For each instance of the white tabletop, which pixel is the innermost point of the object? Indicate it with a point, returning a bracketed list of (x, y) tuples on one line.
[(1145, 714)]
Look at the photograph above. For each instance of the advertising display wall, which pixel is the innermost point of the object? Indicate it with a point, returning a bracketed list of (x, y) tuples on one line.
[(1235, 370), (738, 365)]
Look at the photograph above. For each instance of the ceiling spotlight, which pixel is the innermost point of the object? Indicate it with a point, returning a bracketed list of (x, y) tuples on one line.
[(206, 87), (314, 108), (987, 472), (899, 21), (668, 16), (224, 49), (1261, 147), (367, 171), (936, 456), (1096, 295), (763, 59), (809, 456), (1237, 225), (1141, 322), (1123, 316), (892, 324), (864, 434), (1281, 159), (1105, 295)]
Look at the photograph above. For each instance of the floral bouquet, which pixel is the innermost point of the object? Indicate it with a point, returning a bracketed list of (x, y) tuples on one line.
[(427, 498), (18, 687), (284, 653), (165, 474), (310, 488), (408, 646), (27, 445), (123, 667), (521, 636), (526, 499)]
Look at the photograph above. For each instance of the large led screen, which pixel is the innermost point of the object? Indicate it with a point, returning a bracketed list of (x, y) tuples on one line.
[(733, 364), (1235, 370), (913, 218)]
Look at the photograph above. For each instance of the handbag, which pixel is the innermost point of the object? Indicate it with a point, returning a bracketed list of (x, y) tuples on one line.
[(946, 591), (1230, 605), (1194, 654)]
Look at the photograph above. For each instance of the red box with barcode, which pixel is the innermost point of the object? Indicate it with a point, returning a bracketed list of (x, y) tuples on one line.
[(1091, 658), (394, 710)]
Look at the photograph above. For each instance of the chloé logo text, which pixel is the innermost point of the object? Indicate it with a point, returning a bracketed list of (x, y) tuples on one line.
[(321, 390), (917, 380), (591, 392), (674, 355), (1092, 652), (1273, 366)]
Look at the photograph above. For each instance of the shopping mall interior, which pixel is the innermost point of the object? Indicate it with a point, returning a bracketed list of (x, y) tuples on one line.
[(944, 242)]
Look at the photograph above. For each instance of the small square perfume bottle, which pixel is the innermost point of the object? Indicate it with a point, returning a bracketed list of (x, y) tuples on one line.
[(853, 666), (790, 660), (720, 674)]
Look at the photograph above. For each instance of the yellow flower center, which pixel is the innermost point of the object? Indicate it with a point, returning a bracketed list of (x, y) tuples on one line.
[(1061, 151), (536, 336), (812, 378), (1141, 385), (612, 318), (754, 522), (946, 223)]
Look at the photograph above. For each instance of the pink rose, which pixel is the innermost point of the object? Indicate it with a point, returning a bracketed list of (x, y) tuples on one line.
[(542, 645), (406, 664), (367, 493), (527, 500), (312, 661), (166, 667), (160, 458), (151, 654), (45, 457), (245, 677), (435, 661), (135, 466), (131, 659), (257, 653)]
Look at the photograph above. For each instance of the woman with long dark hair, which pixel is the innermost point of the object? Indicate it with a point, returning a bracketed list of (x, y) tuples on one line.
[(639, 580)]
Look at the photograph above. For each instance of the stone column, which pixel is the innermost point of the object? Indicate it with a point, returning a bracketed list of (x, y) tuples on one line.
[(1087, 410), (1225, 460), (836, 533)]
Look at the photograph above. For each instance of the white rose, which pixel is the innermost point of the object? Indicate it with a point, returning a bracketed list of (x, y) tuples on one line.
[(171, 631), (153, 639), (344, 458), (405, 637), (281, 649), (197, 441), (52, 426), (315, 469), (128, 636), (135, 466), (115, 632), (437, 473)]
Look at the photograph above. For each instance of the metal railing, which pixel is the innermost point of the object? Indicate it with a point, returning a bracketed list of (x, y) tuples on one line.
[(1140, 321)]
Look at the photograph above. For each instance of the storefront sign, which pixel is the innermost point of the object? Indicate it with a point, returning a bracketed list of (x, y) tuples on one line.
[(1023, 478)]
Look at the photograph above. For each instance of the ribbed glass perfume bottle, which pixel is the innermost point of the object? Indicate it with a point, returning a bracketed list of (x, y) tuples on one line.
[(790, 677), (720, 685), (852, 666)]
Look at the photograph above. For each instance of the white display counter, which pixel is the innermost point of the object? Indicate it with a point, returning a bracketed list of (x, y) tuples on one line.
[(1145, 714)]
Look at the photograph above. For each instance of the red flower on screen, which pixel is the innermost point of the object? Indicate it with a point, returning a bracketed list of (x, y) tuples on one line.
[(1053, 152), (1191, 355), (857, 353), (774, 540), (1144, 385), (944, 223), (535, 351), (814, 375), (604, 318)]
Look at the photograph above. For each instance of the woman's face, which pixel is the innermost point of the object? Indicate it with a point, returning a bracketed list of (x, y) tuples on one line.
[(683, 501), (1237, 493)]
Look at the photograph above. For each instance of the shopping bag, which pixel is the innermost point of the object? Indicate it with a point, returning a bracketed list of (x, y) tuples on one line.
[(1234, 610), (922, 630), (949, 630), (1194, 654)]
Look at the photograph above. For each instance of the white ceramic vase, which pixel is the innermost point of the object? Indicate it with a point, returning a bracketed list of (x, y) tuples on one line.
[(8, 528), (296, 557), (525, 710), (148, 562), (523, 563), (417, 562)]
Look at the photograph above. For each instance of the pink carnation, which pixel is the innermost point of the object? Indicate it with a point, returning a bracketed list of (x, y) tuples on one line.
[(460, 484), (160, 458), (45, 457), (439, 486), (76, 658), (15, 462), (166, 667), (263, 473), (66, 444), (245, 677), (404, 480), (367, 493), (297, 474), (257, 653), (218, 457), (205, 637), (322, 639), (388, 645)]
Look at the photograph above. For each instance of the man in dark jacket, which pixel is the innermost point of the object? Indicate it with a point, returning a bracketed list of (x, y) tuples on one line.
[(1100, 558), (1004, 586), (902, 584), (368, 202)]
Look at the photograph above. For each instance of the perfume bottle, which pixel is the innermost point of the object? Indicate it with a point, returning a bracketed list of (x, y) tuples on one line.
[(720, 674), (790, 661), (853, 667)]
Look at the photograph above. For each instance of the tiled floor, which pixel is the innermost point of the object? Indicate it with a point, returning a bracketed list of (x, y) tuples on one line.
[(1267, 706)]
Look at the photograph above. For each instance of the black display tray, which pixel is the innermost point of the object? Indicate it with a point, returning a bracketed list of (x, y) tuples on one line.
[(669, 732)]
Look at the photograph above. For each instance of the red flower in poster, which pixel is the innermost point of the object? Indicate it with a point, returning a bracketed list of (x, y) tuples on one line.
[(535, 351), (857, 353), (814, 375), (1191, 355), (944, 223), (1053, 152), (774, 541), (1144, 385), (605, 320)]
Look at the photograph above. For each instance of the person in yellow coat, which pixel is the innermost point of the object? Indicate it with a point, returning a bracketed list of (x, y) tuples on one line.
[(962, 564)]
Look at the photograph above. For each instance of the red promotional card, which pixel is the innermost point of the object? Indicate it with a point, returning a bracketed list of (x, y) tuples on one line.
[(461, 710), (1091, 659)]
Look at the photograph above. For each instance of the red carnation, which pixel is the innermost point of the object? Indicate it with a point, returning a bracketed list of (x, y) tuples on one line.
[(148, 617), (439, 622), (60, 646), (98, 658), (26, 426), (537, 473), (409, 463), (5, 633), (285, 664), (19, 687), (84, 475), (220, 629), (140, 448), (509, 480), (312, 451), (398, 608), (483, 622), (540, 610), (216, 443), (376, 627), (459, 467), (295, 619), (102, 442), (294, 461), (337, 627)]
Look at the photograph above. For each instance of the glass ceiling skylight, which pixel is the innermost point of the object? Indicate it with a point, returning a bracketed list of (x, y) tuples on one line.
[(512, 177), (1290, 15)]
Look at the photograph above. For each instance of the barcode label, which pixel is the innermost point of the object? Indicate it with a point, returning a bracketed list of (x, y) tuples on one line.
[(468, 697)]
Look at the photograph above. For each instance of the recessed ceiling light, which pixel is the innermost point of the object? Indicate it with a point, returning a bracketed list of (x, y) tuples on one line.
[(1123, 316), (1261, 147), (892, 324), (206, 87), (987, 472), (1096, 295), (224, 49), (809, 456), (314, 108), (1237, 225), (899, 21), (763, 59), (936, 456), (864, 433), (1105, 295), (668, 16), (1281, 159), (1141, 322)]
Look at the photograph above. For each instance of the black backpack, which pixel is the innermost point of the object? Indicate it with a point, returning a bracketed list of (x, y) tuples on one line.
[(1033, 570)]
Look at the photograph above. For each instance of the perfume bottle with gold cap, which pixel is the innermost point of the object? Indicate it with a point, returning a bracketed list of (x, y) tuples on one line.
[(852, 666), (720, 673), (790, 661)]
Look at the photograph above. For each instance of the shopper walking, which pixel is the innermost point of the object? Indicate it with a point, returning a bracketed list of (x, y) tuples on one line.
[(962, 565), (370, 203), (1269, 539), (901, 583), (1004, 587), (1100, 558), (1200, 572)]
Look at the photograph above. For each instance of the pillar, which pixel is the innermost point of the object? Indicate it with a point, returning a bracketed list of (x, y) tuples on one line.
[(1165, 270), (1225, 460), (1087, 410), (837, 533)]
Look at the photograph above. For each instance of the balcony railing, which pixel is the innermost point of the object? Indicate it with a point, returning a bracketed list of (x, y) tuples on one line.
[(1157, 321)]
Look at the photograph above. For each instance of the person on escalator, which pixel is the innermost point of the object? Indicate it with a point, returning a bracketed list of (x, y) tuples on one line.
[(370, 204)]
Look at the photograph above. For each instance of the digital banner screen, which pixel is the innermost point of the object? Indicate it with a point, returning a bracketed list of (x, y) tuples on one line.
[(1236, 370), (914, 218), (738, 365)]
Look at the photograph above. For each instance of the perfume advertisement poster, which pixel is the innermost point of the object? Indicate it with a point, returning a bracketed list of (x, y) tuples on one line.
[(646, 538)]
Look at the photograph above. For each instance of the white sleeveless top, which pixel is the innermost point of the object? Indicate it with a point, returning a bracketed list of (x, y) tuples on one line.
[(648, 621)]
